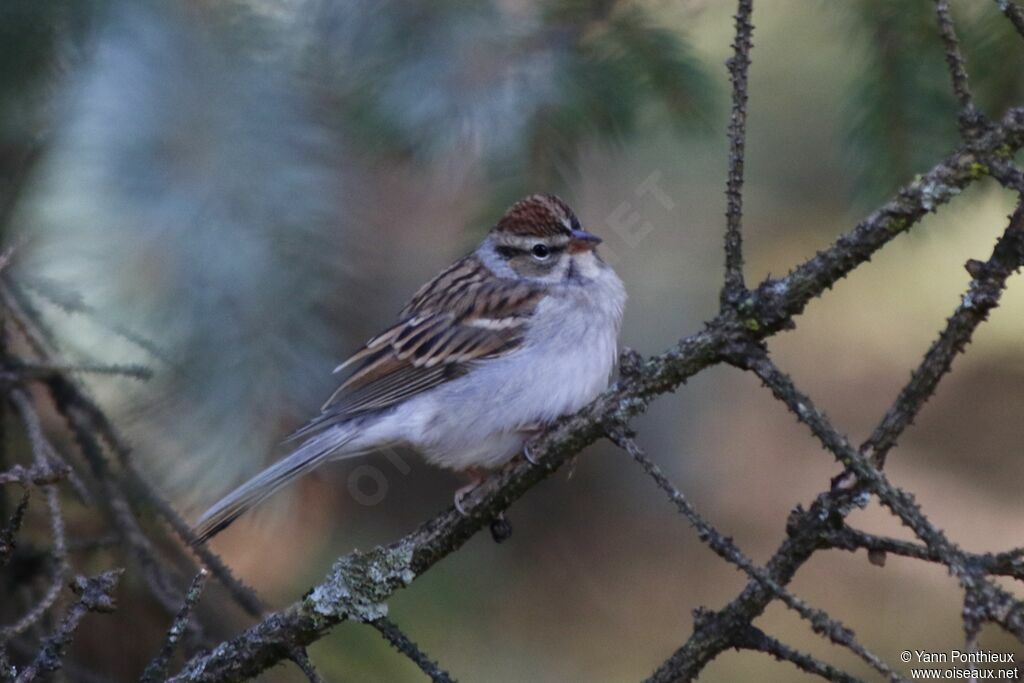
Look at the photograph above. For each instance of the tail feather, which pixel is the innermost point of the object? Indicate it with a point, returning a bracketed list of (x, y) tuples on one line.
[(307, 457)]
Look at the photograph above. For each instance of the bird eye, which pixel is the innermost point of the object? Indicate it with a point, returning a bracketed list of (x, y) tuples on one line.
[(540, 251)]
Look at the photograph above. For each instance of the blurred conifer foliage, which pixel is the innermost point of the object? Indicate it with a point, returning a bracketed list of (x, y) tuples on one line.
[(203, 202), (901, 115), (518, 88), (35, 39)]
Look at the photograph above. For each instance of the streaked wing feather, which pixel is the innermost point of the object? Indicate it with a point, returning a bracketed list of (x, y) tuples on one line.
[(407, 380), (461, 316)]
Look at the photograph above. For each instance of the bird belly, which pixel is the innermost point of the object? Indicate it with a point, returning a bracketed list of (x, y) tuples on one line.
[(484, 418)]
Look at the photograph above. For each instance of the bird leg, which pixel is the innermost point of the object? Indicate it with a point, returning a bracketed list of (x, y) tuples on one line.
[(501, 529)]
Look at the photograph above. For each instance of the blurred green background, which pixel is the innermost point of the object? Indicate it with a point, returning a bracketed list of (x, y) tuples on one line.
[(238, 193)]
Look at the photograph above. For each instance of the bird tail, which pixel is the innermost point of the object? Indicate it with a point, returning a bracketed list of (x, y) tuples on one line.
[(307, 457)]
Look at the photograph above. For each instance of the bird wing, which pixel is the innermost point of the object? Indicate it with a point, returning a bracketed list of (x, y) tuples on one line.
[(463, 315)]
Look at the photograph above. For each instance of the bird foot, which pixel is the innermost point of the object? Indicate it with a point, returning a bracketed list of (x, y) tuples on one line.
[(528, 454), (475, 478), (460, 495)]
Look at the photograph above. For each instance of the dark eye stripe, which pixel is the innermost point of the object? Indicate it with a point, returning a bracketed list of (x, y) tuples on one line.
[(508, 252)]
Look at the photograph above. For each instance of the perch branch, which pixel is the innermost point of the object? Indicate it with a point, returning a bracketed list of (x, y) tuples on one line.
[(359, 583)]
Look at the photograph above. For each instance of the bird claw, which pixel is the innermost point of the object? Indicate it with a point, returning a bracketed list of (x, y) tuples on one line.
[(476, 476), (458, 504), (461, 494), (528, 454)]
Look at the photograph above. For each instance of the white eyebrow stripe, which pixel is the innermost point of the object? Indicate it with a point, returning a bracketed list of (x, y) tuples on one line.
[(495, 323), (519, 242)]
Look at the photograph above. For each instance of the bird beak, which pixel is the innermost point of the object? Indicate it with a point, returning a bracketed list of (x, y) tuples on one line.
[(581, 240)]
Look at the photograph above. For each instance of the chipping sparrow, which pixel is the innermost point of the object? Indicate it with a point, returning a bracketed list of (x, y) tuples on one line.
[(501, 343)]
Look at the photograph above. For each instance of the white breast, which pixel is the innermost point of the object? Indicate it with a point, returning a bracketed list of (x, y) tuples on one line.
[(483, 418)]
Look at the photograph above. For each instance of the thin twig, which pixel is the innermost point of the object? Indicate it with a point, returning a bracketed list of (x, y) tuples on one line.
[(4, 409), (71, 302), (1005, 171), (987, 283), (94, 595), (999, 605), (752, 638), (723, 546), (40, 475), (156, 670), (75, 672), (85, 417), (1014, 13), (305, 664), (25, 319), (59, 555), (850, 539), (160, 576), (10, 529), (47, 370), (738, 65), (973, 616), (407, 647), (789, 295), (957, 70)]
